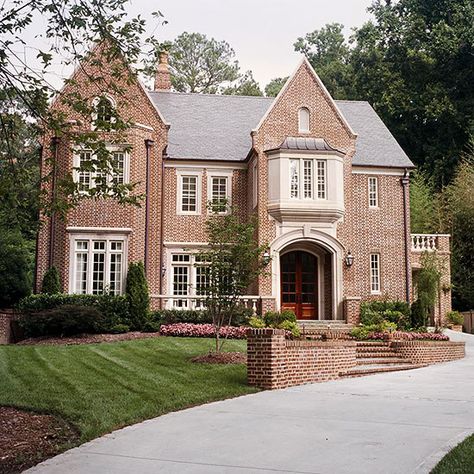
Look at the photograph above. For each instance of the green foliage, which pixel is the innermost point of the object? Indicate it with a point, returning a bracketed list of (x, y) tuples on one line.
[(246, 85), (151, 326), (66, 320), (256, 322), (200, 64), (377, 311), (15, 279), (291, 326), (418, 315), (240, 316), (51, 283), (427, 281), (119, 329), (362, 332), (455, 317), (274, 86), (285, 319), (424, 205), (137, 295), (115, 309)]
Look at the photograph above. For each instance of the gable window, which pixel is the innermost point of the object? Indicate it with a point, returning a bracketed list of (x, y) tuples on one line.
[(303, 120), (313, 173), (373, 192), (98, 265), (86, 174), (375, 273), (103, 115)]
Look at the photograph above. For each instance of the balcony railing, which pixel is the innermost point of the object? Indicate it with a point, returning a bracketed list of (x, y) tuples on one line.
[(198, 302), (429, 242)]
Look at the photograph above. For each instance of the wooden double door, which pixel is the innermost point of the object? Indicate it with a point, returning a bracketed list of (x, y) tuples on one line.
[(299, 284)]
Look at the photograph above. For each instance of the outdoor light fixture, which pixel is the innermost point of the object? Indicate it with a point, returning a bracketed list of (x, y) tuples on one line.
[(349, 259), (163, 270), (266, 257)]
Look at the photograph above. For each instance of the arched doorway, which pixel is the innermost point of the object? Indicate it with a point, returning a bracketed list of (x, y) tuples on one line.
[(299, 283)]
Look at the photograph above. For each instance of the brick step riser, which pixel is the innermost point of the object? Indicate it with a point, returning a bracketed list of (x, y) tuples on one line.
[(387, 360), (378, 370), (370, 355)]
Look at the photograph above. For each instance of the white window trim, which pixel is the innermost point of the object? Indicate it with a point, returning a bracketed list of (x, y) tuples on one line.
[(179, 176), (95, 102), (255, 184), (376, 181), (220, 174), (112, 234), (314, 179), (300, 128), (379, 272), (111, 149)]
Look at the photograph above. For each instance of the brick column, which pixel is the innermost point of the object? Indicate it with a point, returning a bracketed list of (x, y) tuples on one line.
[(6, 316), (266, 350), (352, 309)]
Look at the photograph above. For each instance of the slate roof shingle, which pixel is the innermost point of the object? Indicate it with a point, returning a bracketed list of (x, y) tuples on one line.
[(217, 127)]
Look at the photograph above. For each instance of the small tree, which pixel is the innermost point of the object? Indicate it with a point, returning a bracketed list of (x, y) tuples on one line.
[(427, 284), (231, 262), (137, 295), (51, 284)]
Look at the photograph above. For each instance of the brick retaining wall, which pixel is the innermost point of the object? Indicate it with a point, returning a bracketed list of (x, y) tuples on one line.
[(429, 352), (6, 316), (274, 362)]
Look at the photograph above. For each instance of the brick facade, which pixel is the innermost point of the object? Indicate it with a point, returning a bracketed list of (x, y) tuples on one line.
[(429, 352), (362, 230)]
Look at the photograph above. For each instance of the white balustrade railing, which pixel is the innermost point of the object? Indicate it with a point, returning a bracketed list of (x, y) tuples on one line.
[(424, 242), (198, 302)]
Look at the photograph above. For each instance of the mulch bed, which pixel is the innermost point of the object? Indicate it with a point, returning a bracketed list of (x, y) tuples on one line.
[(27, 438), (221, 358), (87, 338)]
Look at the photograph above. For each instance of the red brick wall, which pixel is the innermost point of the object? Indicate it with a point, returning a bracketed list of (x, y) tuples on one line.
[(274, 362), (429, 352)]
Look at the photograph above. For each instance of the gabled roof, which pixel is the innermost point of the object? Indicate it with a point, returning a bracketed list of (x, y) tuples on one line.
[(217, 127)]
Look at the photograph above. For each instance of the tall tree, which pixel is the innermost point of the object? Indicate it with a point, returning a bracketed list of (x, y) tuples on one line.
[(274, 86), (246, 85), (329, 54), (200, 64)]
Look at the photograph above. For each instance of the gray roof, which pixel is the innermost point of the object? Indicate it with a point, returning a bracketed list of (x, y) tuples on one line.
[(305, 144), (217, 127)]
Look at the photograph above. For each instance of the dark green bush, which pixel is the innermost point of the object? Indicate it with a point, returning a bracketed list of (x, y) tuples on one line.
[(51, 284), (137, 295), (120, 329), (455, 317), (375, 312), (115, 309), (276, 318), (418, 315), (66, 320), (151, 326)]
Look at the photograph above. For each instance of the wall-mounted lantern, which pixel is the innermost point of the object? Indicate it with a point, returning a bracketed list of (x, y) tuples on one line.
[(349, 259)]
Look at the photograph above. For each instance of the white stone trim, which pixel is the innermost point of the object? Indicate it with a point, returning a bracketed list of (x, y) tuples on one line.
[(99, 230), (202, 164), (378, 171), (145, 127)]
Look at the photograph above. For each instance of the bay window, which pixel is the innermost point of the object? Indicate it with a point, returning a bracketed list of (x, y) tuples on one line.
[(306, 175)]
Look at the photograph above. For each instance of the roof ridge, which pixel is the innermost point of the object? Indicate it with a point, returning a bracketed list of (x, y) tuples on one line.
[(352, 101), (199, 94)]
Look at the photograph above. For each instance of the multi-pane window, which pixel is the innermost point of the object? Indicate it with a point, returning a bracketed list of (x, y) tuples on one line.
[(373, 192), (303, 120), (294, 178), (103, 115), (313, 174), (375, 273), (189, 194), (219, 193), (308, 179), (98, 266), (181, 272), (88, 176)]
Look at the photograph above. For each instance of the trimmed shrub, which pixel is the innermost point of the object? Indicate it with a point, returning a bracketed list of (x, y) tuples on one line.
[(375, 312), (368, 331), (151, 326), (418, 315), (256, 322), (51, 284), (66, 320), (114, 309), (276, 318), (291, 327), (137, 295), (120, 329), (202, 330), (455, 317)]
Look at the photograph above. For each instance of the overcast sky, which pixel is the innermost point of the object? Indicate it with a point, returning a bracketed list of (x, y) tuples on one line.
[(262, 32)]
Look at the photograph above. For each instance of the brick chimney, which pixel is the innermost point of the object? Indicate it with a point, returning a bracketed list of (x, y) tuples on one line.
[(163, 75)]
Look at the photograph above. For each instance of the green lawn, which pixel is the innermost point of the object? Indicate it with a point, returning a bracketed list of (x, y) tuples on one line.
[(460, 460), (101, 387)]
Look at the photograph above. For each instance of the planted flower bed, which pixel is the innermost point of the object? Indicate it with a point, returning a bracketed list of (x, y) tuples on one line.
[(202, 330)]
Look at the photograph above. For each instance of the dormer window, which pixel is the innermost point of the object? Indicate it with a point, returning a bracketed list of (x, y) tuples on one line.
[(103, 112), (303, 120)]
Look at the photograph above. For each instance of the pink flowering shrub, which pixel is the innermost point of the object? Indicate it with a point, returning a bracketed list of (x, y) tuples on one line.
[(406, 336), (202, 330)]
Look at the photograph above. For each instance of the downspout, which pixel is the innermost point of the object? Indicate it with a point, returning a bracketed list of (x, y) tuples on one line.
[(148, 144), (52, 227), (162, 207), (405, 183), (35, 281)]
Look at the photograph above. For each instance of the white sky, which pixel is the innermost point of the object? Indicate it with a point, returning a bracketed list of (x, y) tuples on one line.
[(261, 32)]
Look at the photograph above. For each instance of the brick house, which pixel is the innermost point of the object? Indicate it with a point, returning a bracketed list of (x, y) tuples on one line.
[(327, 180)]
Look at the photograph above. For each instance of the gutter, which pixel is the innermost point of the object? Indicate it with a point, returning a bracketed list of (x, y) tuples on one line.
[(52, 222), (162, 207), (405, 181), (148, 144)]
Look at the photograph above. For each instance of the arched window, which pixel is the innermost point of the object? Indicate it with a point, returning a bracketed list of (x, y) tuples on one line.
[(303, 120), (104, 111)]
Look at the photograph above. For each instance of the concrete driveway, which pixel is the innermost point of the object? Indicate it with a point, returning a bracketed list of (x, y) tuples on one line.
[(400, 422)]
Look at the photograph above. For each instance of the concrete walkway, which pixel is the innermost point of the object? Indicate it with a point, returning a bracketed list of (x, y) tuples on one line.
[(401, 422)]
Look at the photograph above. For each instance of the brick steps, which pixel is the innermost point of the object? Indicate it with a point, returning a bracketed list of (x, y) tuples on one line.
[(380, 360), (361, 370)]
